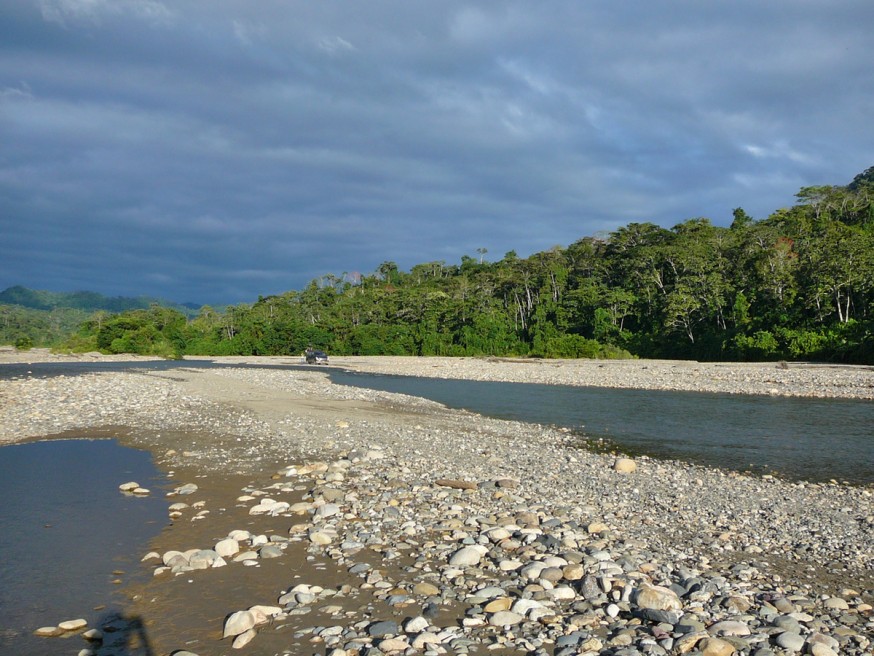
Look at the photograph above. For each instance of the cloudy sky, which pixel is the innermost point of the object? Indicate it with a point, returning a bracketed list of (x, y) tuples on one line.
[(213, 150)]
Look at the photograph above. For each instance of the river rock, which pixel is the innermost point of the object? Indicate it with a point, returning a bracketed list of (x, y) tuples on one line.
[(188, 488), (243, 639), (716, 647), (383, 629), (467, 556), (227, 547), (73, 625), (790, 641), (729, 628), (416, 625), (270, 551), (506, 618), (320, 538), (48, 632), (129, 486), (657, 597), (238, 623), (456, 484), (624, 465), (503, 603), (425, 589)]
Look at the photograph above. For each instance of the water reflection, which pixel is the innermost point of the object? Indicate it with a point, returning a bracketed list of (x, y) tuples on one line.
[(68, 535)]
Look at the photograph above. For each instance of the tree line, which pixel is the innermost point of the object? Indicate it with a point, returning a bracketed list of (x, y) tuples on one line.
[(798, 284)]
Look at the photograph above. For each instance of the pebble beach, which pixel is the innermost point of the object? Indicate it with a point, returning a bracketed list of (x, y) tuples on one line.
[(310, 518)]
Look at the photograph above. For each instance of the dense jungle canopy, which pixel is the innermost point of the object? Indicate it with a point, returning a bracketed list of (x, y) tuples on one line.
[(798, 284)]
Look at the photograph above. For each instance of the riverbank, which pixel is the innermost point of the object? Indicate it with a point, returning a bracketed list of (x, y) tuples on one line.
[(488, 535)]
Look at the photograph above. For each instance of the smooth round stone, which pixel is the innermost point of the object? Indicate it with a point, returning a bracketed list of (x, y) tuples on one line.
[(506, 618), (729, 628), (129, 486), (94, 635), (496, 605), (509, 565), (170, 556), (48, 632), (836, 603), (227, 547), (551, 574), (73, 625), (188, 488), (320, 538), (817, 649), (490, 592), (716, 647), (657, 597), (624, 465), (327, 510), (382, 629), (790, 641), (426, 589), (244, 639), (238, 623), (466, 556), (573, 572), (394, 645), (787, 623), (416, 625), (497, 534), (612, 610), (270, 551), (525, 606)]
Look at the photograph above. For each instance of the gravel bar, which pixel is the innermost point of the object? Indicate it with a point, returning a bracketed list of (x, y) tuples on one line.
[(380, 523)]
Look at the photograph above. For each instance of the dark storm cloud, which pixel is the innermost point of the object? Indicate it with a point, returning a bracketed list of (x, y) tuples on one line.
[(213, 152)]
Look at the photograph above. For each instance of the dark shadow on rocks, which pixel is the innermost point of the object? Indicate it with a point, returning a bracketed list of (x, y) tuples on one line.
[(124, 636)]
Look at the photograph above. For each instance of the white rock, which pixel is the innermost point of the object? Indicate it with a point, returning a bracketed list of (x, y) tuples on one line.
[(73, 625), (169, 556), (239, 622), (227, 547), (506, 618), (415, 625), (243, 639), (466, 556)]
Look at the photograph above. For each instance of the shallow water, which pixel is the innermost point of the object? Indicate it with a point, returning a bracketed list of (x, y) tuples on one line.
[(66, 531), (797, 438)]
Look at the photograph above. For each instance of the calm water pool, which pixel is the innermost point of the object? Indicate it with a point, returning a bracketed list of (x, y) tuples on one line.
[(64, 529)]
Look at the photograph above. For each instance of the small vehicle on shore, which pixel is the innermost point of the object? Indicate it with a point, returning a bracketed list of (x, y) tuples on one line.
[(314, 356)]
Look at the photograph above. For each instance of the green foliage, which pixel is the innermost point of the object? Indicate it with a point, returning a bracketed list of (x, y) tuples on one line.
[(796, 285)]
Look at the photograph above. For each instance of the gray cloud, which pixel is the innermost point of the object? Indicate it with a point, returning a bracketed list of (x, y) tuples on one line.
[(213, 152)]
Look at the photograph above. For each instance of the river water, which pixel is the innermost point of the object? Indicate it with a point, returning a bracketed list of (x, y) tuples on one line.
[(797, 438), (67, 533)]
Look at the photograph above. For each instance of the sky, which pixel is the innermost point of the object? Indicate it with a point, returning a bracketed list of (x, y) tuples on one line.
[(211, 151)]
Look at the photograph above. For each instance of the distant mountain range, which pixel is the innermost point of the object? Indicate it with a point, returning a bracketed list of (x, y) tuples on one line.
[(83, 300)]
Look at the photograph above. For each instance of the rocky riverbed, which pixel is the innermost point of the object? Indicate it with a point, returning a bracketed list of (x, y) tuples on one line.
[(309, 518)]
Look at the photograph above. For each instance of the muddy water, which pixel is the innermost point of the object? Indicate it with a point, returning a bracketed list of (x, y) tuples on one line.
[(69, 539)]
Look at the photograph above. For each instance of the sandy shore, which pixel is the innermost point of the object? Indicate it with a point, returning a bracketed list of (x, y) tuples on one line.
[(394, 487)]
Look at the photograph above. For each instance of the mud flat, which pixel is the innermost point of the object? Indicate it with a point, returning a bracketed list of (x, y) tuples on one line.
[(314, 518)]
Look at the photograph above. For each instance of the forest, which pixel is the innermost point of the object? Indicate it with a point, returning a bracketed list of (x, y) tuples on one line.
[(797, 285)]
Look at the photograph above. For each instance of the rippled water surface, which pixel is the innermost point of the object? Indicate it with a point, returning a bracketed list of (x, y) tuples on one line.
[(799, 438), (64, 530)]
